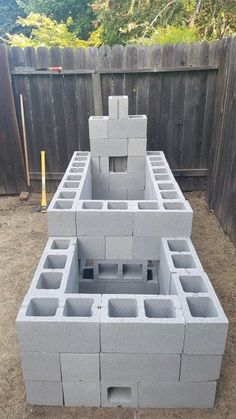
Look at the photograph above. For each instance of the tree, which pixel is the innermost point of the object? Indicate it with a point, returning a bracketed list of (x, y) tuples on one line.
[(134, 19), (215, 19), (79, 10), (122, 21), (171, 35), (9, 11), (47, 32)]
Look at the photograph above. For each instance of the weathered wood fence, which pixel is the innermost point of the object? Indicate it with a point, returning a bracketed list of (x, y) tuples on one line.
[(180, 88), (221, 190)]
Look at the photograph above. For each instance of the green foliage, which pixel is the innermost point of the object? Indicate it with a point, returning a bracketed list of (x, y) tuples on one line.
[(83, 23), (79, 10), (45, 32), (9, 11), (127, 20), (216, 19), (171, 35), (122, 21)]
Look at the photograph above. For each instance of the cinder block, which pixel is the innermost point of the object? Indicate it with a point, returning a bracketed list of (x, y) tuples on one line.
[(116, 194), (104, 164), (150, 220), (136, 164), (137, 146), (57, 266), (127, 181), (122, 270), (144, 288), (206, 324), (61, 217), (135, 194), (80, 367), (44, 393), (146, 368), (119, 247), (81, 393), (115, 393), (135, 126), (100, 183), (200, 367), (177, 395), (148, 248), (91, 248), (41, 366), (92, 287), (98, 127), (95, 165), (136, 324), (177, 256), (107, 147), (96, 218), (118, 107), (73, 327), (187, 283)]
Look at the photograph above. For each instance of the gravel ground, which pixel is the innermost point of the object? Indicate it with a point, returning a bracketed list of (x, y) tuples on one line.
[(22, 239)]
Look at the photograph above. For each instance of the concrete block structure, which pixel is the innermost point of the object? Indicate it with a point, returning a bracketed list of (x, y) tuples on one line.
[(120, 311)]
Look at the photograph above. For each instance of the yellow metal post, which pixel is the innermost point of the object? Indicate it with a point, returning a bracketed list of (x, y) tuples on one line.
[(43, 172)]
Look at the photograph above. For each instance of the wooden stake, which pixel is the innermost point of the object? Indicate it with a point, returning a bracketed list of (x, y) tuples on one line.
[(25, 141)]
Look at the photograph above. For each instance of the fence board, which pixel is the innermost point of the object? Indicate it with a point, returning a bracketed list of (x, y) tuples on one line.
[(176, 128), (221, 190), (154, 98), (117, 62), (82, 101), (11, 157)]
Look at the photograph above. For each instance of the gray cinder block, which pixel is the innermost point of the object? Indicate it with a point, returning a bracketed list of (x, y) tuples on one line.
[(177, 395), (135, 324), (146, 368), (177, 255), (127, 181), (80, 367), (135, 126), (150, 287), (206, 324), (115, 393), (150, 220), (97, 218), (136, 164), (73, 327), (148, 248), (108, 148), (122, 270), (61, 218), (98, 127), (137, 146), (135, 194), (100, 183), (104, 164), (82, 393), (91, 248), (118, 107), (44, 393), (200, 367), (119, 247), (41, 366)]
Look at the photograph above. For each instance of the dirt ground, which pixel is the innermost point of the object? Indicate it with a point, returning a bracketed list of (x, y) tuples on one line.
[(22, 239)]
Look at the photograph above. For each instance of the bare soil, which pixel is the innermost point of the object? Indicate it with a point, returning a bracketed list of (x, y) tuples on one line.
[(22, 239)]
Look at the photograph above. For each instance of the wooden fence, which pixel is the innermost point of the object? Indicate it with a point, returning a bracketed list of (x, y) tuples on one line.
[(179, 87), (221, 190)]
